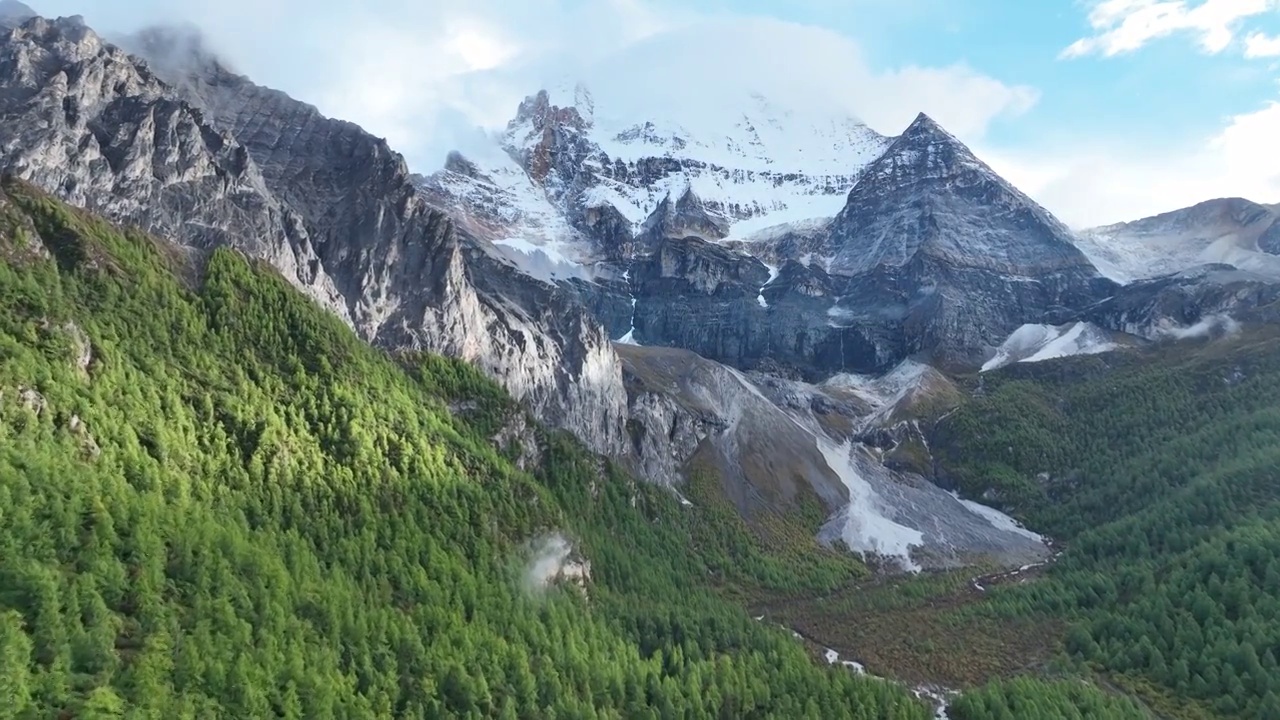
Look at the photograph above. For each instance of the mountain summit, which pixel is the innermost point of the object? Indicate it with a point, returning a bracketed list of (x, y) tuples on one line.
[(928, 194)]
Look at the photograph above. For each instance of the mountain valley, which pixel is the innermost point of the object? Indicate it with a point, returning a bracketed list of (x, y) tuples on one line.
[(735, 355)]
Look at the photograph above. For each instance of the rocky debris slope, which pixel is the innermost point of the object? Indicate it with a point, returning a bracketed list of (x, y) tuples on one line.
[(773, 442)]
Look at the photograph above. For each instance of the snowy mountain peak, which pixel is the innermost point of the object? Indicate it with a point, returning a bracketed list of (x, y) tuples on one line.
[(606, 156), (924, 126), (929, 194)]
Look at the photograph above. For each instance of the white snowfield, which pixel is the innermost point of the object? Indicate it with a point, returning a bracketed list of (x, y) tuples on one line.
[(1034, 343), (758, 145)]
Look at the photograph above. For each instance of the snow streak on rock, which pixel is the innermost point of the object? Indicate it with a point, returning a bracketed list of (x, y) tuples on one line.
[(1034, 343)]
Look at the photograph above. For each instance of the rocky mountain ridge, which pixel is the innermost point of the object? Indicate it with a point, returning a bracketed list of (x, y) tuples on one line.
[(528, 259), (931, 251), (1229, 231), (207, 158)]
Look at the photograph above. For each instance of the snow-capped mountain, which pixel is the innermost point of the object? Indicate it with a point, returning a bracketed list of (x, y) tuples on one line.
[(1230, 231), (614, 160), (760, 240), (916, 246), (928, 196)]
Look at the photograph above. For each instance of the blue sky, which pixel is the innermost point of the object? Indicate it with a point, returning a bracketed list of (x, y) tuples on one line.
[(1158, 104)]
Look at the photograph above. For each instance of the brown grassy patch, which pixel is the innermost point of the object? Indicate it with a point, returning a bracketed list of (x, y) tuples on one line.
[(919, 630)]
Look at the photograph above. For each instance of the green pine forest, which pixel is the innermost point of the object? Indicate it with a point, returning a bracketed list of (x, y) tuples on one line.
[(217, 502), (1160, 474), (236, 509)]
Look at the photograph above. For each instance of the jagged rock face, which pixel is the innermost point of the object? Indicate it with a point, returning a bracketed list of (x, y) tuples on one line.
[(729, 307), (1193, 303), (682, 218), (933, 236), (927, 195), (214, 160), (414, 281), (81, 120)]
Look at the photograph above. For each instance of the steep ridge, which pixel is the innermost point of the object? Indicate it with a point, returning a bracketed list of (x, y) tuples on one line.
[(328, 204), (1189, 272), (927, 195), (79, 118), (956, 256), (361, 202), (1229, 231)]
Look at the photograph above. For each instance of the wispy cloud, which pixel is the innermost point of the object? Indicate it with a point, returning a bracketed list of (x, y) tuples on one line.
[(1102, 181), (1123, 26), (425, 75), (1261, 45)]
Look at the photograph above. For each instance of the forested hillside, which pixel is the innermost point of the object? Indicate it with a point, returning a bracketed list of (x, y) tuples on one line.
[(216, 502), (1160, 472)]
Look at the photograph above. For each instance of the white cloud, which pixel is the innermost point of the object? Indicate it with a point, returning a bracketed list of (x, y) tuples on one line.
[(1105, 183), (1122, 26), (1261, 45), (424, 74), (1102, 182)]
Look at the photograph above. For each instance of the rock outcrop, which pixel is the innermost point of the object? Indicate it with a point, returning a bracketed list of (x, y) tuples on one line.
[(206, 158), (938, 244)]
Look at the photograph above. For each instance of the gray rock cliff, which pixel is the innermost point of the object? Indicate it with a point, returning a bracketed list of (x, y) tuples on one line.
[(205, 157)]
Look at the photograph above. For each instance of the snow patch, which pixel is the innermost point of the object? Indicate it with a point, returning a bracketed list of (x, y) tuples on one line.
[(998, 520), (773, 275), (1035, 343), (867, 526), (833, 657), (629, 337), (547, 260), (809, 224)]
